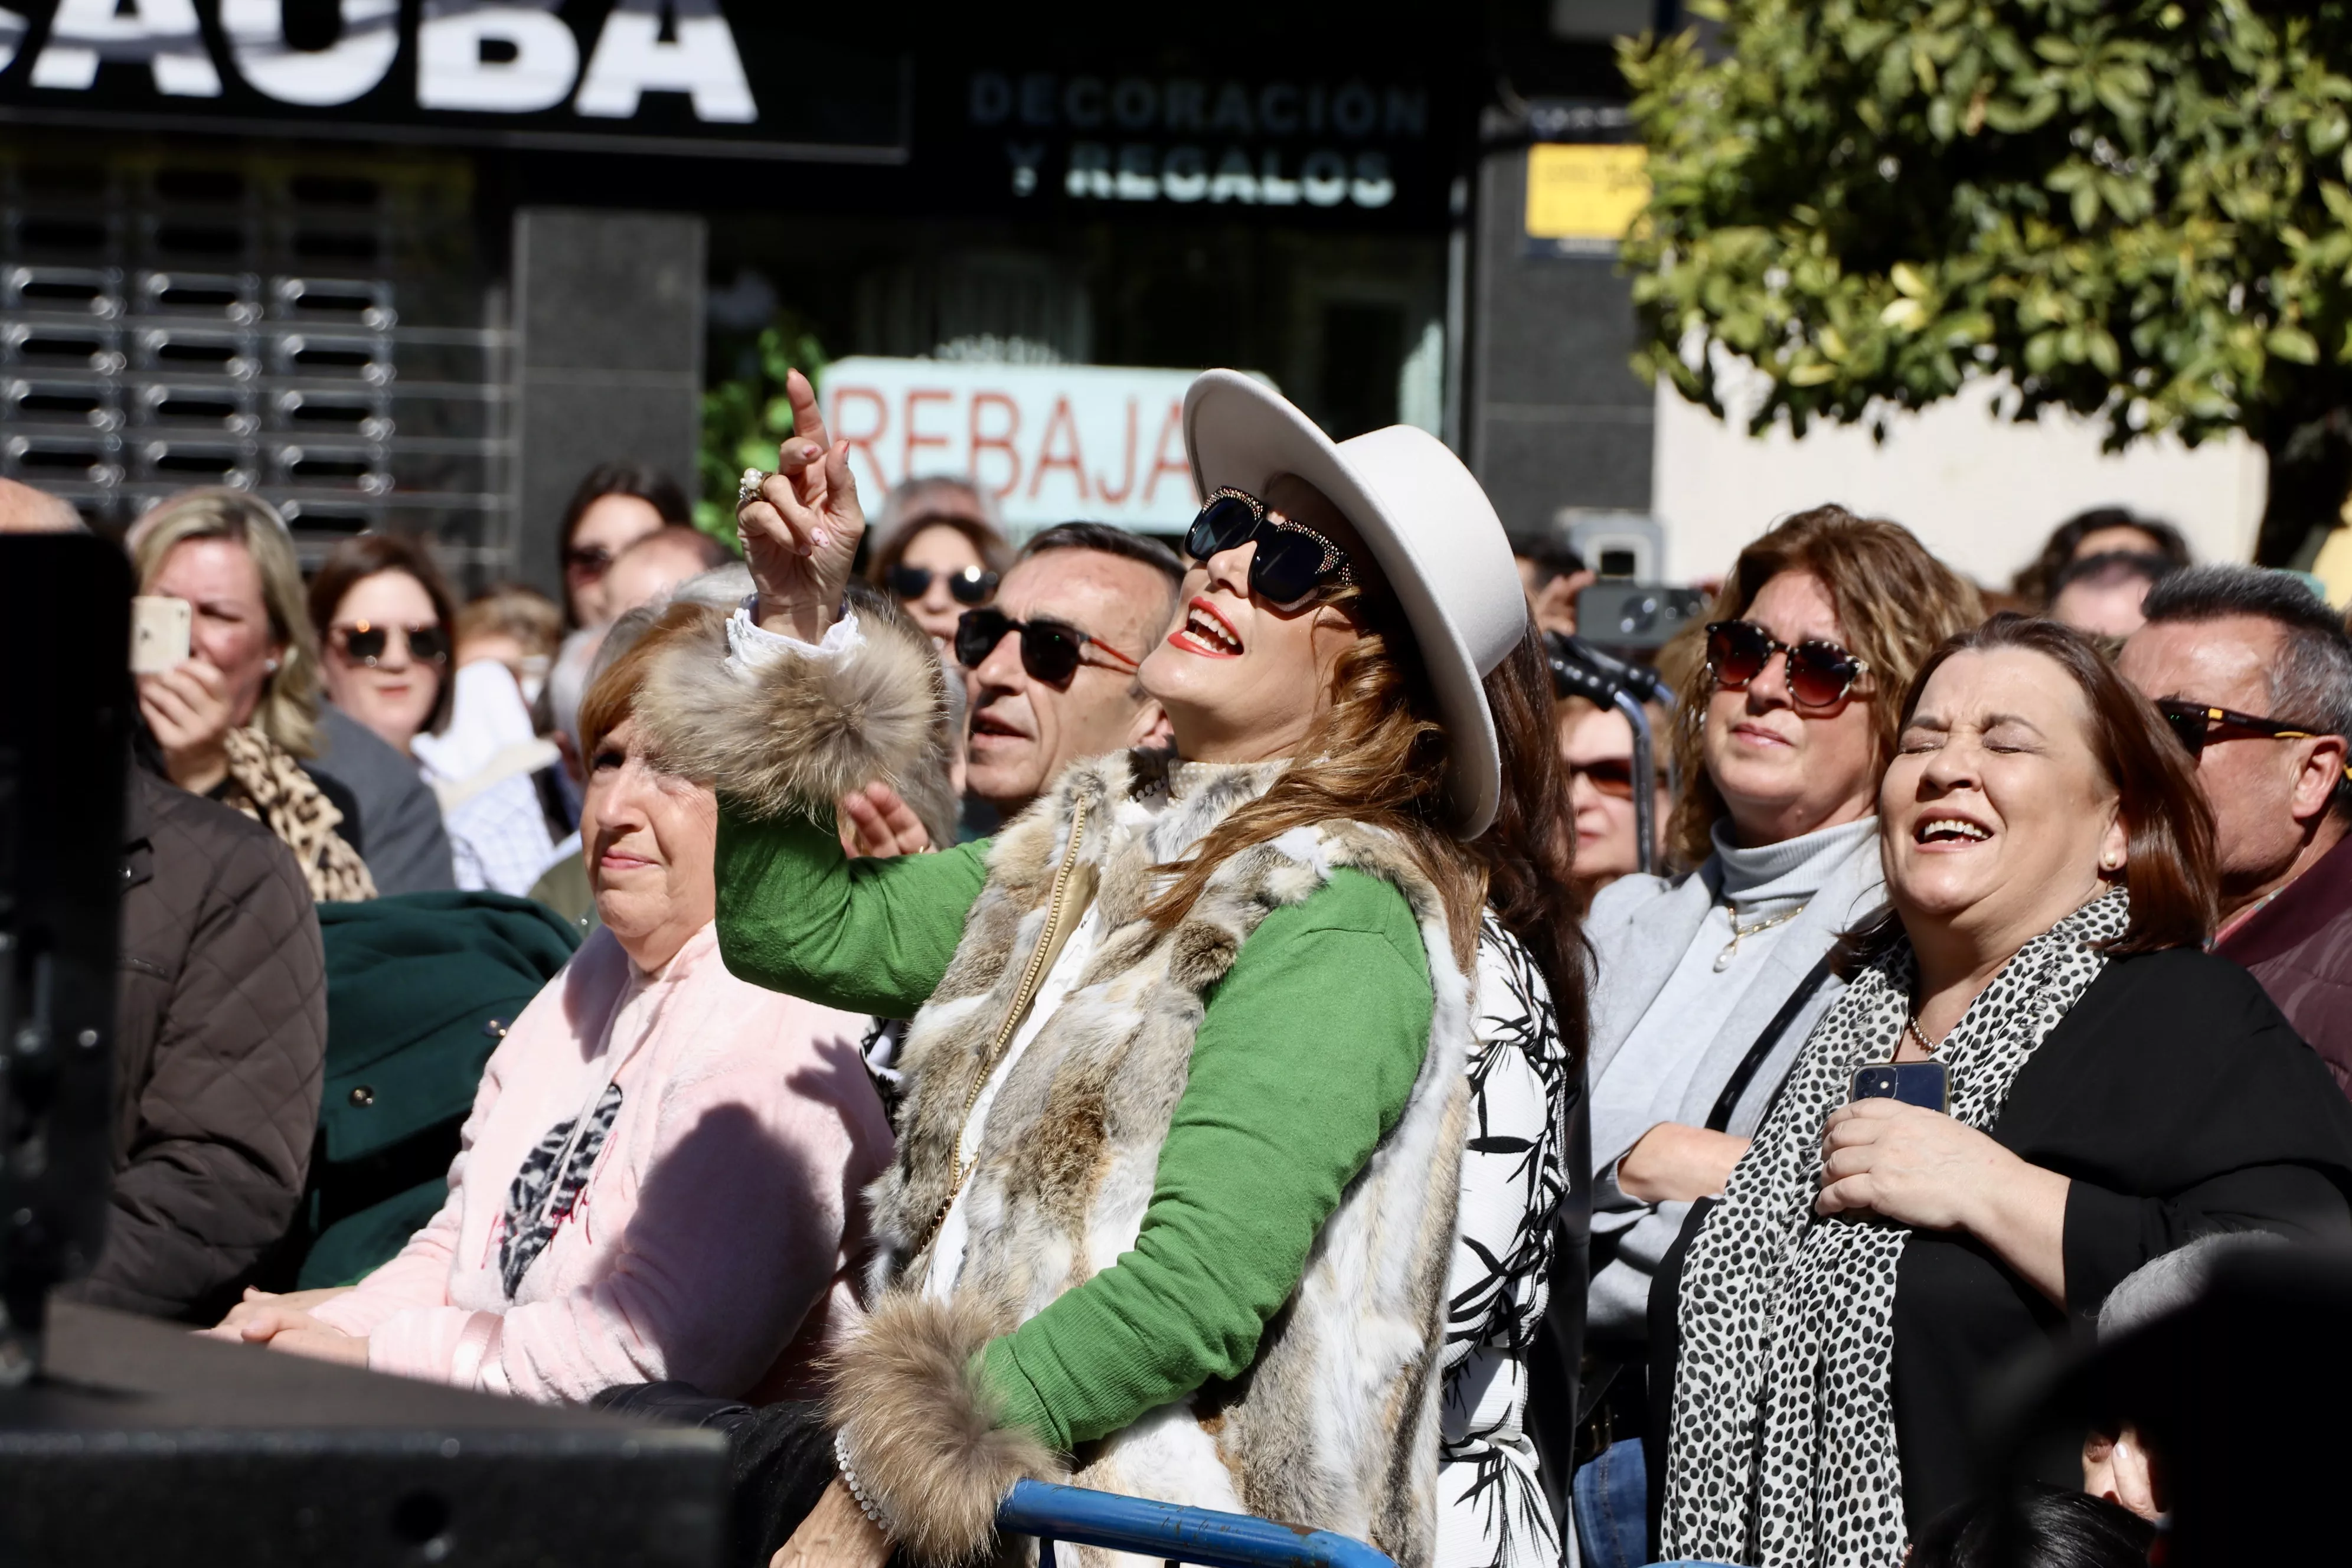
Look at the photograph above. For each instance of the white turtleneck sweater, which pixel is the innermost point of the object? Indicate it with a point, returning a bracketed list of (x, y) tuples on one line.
[(1652, 1078), (1646, 1080)]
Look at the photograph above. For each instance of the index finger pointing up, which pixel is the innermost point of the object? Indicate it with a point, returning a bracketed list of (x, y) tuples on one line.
[(807, 422)]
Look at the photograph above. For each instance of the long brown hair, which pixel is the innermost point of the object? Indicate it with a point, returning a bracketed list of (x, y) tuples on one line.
[(1528, 855), (1895, 602), (1375, 757), (2170, 865)]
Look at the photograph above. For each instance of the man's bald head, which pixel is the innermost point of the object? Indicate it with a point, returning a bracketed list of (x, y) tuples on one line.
[(649, 567), (24, 510)]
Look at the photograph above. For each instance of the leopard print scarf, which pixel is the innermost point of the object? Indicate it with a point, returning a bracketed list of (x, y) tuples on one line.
[(268, 785), (1783, 1450)]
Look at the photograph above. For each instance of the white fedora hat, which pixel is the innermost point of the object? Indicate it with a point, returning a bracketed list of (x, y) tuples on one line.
[(1431, 529)]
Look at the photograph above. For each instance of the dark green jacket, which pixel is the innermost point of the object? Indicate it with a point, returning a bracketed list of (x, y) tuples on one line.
[(420, 989)]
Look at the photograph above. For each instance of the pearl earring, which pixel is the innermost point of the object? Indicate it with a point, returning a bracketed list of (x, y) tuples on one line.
[(269, 667)]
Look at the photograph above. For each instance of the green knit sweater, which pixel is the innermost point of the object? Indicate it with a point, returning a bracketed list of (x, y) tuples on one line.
[(1307, 1053)]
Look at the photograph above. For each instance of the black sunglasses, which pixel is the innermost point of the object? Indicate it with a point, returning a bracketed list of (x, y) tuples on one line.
[(1050, 651), (1292, 563), (1819, 675), (365, 643), (973, 586), (2196, 724)]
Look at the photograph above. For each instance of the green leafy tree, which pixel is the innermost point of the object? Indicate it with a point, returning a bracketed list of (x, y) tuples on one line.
[(2130, 209), (743, 418)]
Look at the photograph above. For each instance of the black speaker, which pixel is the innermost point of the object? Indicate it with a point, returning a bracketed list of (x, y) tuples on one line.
[(141, 1444), (65, 644)]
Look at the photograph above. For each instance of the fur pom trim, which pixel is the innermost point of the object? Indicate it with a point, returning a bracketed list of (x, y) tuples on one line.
[(926, 1438), (801, 733)]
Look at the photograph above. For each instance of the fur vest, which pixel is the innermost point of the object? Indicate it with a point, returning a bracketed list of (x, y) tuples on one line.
[(1335, 1426)]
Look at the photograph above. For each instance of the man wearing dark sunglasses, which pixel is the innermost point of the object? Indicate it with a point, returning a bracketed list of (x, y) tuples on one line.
[(1053, 660), (2254, 674)]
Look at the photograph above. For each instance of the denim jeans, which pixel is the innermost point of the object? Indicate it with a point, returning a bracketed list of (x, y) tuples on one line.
[(1612, 1494)]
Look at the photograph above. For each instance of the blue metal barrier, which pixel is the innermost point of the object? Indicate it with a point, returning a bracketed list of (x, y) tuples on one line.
[(1171, 1532)]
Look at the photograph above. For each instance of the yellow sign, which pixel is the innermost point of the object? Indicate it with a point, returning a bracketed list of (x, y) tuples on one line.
[(1585, 192)]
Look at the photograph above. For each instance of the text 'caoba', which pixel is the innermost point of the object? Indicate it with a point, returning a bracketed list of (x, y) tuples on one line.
[(471, 56)]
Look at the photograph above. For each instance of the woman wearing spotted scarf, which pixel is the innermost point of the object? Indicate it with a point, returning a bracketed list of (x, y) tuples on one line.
[(2114, 1090)]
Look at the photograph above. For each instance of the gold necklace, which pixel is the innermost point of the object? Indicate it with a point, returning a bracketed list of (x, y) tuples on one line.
[(1741, 932)]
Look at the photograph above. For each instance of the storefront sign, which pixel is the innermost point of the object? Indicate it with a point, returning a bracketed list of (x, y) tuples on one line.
[(1350, 142), (619, 75), (1052, 443)]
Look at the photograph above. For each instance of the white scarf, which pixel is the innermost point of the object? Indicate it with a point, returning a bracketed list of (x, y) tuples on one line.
[(1783, 1451)]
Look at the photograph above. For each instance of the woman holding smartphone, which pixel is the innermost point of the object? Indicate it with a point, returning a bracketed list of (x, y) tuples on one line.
[(237, 719), (2112, 1091)]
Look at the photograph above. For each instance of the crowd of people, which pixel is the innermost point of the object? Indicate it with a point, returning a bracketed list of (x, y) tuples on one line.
[(1205, 1022)]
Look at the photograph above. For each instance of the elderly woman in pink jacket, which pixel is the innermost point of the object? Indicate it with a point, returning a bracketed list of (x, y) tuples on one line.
[(659, 1178)]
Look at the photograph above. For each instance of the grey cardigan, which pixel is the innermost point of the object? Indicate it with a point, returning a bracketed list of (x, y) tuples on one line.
[(1640, 928)]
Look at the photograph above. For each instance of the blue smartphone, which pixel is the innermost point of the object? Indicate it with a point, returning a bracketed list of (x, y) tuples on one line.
[(1928, 1085)]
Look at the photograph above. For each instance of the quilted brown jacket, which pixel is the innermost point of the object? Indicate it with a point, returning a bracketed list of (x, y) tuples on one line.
[(220, 1035)]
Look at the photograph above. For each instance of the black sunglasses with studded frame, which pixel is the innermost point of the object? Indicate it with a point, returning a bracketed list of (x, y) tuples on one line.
[(1292, 563)]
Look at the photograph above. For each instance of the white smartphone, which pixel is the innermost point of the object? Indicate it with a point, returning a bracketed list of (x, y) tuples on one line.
[(159, 633)]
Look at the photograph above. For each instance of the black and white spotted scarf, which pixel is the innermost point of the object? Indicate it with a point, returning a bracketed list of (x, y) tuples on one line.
[(1783, 1427)]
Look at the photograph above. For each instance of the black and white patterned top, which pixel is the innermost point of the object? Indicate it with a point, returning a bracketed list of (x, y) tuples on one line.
[(1491, 1509)]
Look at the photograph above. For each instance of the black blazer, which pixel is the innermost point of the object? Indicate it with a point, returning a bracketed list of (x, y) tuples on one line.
[(2179, 1102)]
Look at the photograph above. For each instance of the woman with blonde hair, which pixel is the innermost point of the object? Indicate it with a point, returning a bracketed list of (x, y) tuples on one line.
[(1186, 1094), (1706, 983), (238, 718)]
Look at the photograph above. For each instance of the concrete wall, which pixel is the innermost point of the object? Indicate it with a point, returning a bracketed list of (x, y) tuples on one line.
[(609, 309), (1983, 492)]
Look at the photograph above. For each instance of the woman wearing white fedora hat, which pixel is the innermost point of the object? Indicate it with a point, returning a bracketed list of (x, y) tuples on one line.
[(1175, 1195)]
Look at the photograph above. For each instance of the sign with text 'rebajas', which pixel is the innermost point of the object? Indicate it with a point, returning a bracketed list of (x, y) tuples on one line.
[(640, 76), (1052, 443)]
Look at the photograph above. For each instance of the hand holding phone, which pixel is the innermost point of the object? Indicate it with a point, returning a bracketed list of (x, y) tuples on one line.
[(159, 633), (1928, 1085)]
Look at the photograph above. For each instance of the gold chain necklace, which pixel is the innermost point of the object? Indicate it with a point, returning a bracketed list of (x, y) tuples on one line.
[(1741, 932)]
